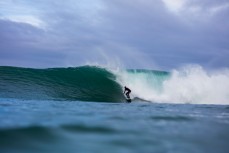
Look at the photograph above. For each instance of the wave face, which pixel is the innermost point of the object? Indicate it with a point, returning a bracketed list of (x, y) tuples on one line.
[(86, 83), (90, 83)]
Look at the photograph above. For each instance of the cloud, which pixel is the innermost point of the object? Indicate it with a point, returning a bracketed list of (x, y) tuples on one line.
[(159, 33), (196, 8), (28, 19), (175, 5)]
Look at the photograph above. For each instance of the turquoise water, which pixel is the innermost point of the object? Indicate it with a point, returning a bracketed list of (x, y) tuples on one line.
[(86, 127), (83, 110), (86, 83)]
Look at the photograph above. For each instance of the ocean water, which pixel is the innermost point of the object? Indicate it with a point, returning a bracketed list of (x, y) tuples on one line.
[(83, 110)]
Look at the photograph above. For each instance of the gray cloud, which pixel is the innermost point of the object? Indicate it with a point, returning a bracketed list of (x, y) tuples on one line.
[(139, 34)]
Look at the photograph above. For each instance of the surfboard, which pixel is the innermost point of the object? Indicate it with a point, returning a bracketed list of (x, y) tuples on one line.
[(128, 99)]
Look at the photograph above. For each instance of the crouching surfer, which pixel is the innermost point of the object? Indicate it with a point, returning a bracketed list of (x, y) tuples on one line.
[(127, 91)]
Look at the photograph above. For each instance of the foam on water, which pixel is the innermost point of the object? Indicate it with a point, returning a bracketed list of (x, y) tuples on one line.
[(191, 84)]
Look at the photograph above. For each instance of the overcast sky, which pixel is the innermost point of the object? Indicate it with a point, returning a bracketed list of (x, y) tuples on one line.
[(159, 34)]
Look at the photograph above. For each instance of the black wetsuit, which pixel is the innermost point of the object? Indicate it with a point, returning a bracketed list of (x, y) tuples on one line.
[(128, 91)]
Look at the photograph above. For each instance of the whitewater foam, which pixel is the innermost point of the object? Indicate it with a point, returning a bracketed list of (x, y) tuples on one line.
[(191, 84)]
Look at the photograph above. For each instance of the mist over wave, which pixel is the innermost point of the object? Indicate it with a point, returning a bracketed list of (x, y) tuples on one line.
[(191, 84)]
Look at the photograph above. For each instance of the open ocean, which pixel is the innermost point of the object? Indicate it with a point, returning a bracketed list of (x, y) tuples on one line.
[(83, 110)]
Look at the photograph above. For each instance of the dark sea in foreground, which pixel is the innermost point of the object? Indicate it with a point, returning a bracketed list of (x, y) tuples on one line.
[(83, 110), (31, 126)]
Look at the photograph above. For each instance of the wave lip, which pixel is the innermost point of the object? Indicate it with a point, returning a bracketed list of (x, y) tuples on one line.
[(85, 83)]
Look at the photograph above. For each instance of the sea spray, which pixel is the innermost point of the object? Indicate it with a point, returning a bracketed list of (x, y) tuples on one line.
[(191, 84), (143, 83), (196, 85)]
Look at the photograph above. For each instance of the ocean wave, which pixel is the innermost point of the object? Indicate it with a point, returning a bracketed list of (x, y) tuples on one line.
[(191, 84), (86, 83)]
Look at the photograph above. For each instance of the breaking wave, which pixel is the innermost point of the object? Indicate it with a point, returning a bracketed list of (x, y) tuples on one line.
[(191, 84), (90, 83)]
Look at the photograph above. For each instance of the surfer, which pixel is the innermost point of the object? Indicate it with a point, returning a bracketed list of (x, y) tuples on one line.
[(127, 91)]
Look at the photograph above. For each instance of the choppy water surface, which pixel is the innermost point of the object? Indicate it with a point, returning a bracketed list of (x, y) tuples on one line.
[(83, 110), (86, 127)]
